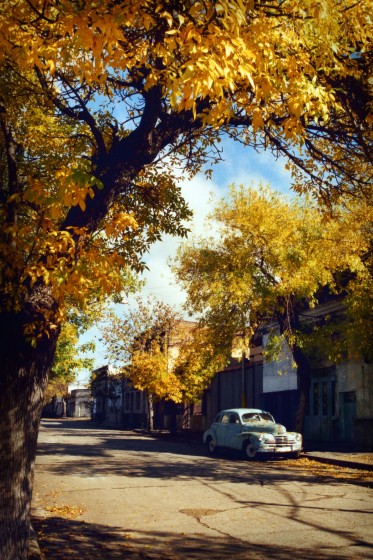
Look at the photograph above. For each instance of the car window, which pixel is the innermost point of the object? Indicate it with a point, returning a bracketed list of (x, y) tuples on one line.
[(233, 419), (250, 417), (267, 416), (217, 419), (224, 419)]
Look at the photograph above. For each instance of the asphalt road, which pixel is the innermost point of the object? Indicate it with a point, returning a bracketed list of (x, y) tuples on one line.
[(107, 494)]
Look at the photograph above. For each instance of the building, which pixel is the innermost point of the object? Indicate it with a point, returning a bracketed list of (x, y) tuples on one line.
[(340, 400), (79, 404), (117, 401)]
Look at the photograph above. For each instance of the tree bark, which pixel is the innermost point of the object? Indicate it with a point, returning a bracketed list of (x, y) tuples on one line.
[(150, 401), (289, 322), (23, 379)]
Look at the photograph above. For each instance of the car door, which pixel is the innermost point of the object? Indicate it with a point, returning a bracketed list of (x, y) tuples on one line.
[(221, 429), (234, 427)]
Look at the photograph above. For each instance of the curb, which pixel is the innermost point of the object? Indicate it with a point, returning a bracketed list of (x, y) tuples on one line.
[(352, 464), (339, 462)]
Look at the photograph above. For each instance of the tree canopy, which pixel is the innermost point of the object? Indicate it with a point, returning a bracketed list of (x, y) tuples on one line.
[(140, 344), (99, 100), (269, 261), (268, 264), (69, 358)]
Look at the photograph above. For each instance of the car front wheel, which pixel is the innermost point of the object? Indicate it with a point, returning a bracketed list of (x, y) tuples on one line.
[(249, 450), (211, 446)]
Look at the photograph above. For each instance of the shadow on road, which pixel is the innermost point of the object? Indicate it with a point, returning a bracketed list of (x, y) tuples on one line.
[(64, 539), (94, 451)]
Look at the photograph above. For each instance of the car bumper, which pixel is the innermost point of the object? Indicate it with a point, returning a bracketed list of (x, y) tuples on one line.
[(291, 448)]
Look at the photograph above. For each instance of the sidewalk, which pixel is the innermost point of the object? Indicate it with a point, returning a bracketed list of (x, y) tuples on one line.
[(351, 459)]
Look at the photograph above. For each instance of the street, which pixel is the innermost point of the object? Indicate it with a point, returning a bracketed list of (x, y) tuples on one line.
[(102, 493)]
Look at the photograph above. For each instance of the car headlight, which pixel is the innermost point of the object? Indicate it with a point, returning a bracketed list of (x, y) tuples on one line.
[(267, 438), (298, 437)]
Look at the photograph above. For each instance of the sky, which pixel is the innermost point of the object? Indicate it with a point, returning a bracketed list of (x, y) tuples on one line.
[(241, 165)]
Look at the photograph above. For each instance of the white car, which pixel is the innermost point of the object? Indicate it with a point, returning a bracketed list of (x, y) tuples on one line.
[(252, 431)]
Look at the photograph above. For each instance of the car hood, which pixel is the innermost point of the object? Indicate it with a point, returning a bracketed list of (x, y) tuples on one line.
[(265, 427)]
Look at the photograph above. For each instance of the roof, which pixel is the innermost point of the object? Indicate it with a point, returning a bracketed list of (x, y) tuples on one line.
[(242, 410)]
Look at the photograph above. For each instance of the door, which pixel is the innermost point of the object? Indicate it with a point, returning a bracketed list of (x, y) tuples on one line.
[(233, 429), (221, 430), (322, 409)]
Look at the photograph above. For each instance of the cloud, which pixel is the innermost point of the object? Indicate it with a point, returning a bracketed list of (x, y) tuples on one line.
[(159, 279)]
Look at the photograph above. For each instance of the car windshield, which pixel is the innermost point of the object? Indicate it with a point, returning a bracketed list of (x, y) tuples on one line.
[(255, 416)]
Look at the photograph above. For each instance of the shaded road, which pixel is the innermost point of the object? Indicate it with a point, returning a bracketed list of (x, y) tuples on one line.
[(115, 494)]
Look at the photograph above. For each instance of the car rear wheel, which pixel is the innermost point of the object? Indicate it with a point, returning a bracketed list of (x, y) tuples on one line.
[(249, 450), (211, 446)]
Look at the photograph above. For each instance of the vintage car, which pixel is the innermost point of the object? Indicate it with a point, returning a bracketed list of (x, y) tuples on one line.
[(253, 432)]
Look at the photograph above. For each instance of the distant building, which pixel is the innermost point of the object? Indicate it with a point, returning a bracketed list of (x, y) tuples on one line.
[(117, 401), (79, 403)]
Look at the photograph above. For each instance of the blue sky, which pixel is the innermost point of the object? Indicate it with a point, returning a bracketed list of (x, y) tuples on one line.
[(241, 166)]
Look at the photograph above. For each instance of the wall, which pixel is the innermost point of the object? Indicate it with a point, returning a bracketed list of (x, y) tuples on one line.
[(279, 375), (354, 403), (226, 390), (78, 404)]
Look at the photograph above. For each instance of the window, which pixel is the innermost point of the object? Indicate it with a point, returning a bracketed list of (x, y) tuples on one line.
[(250, 417), (322, 395), (224, 419)]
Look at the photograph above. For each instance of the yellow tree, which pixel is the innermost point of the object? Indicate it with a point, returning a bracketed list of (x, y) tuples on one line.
[(199, 358), (150, 371), (269, 260), (98, 103), (139, 344)]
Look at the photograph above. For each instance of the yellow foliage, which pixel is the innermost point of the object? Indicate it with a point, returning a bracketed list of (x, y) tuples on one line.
[(272, 257), (81, 85), (149, 371)]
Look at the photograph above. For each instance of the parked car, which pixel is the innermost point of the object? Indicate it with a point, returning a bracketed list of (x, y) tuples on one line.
[(253, 432)]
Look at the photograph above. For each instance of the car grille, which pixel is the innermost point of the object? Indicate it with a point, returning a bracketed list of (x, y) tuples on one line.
[(283, 440)]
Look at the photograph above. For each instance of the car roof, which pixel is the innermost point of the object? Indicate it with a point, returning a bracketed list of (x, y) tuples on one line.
[(242, 410)]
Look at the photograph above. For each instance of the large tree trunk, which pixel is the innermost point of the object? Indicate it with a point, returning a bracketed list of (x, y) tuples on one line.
[(23, 378)]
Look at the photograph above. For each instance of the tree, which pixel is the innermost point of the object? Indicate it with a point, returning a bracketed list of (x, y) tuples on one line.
[(98, 103), (270, 260), (199, 358), (140, 343), (68, 360)]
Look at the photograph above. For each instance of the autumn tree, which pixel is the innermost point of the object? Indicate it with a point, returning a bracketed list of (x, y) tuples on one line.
[(198, 359), (99, 104), (269, 260), (139, 343), (70, 357)]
